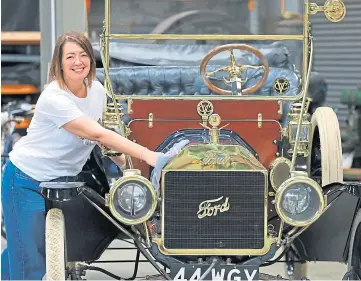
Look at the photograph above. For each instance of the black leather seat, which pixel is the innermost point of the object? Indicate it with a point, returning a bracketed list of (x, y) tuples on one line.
[(186, 80), (174, 69)]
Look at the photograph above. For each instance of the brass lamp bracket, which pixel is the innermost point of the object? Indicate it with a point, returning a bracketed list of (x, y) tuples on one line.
[(150, 120), (335, 10), (259, 119)]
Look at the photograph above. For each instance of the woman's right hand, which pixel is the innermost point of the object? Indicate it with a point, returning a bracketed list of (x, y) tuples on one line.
[(151, 157)]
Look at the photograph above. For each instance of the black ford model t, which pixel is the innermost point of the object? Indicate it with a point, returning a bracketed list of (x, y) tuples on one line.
[(258, 176)]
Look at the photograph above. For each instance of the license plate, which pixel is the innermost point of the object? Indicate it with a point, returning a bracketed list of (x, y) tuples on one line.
[(186, 272)]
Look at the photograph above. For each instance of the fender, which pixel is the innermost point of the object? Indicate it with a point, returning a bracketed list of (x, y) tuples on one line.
[(328, 238)]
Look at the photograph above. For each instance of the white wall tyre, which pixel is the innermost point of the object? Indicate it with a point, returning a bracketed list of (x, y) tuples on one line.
[(55, 245), (325, 154), (354, 253)]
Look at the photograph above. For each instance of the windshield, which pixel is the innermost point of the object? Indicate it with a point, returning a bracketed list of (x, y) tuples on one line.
[(207, 16), (212, 19)]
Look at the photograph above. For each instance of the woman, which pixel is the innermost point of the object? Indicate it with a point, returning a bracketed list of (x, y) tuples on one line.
[(60, 138)]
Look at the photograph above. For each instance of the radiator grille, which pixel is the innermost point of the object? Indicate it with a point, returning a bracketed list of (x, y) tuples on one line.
[(241, 227)]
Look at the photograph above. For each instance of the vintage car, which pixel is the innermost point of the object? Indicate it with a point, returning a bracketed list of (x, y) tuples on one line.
[(249, 173)]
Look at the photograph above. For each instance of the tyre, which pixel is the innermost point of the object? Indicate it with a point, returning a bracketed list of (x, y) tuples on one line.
[(324, 161), (55, 245)]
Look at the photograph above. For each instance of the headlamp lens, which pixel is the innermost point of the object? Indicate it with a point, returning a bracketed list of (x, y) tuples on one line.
[(132, 197)]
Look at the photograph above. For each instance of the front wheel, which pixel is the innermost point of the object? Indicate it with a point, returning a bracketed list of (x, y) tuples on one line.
[(324, 161), (55, 245)]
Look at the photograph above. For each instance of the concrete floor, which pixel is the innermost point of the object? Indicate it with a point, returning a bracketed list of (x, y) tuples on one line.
[(317, 271)]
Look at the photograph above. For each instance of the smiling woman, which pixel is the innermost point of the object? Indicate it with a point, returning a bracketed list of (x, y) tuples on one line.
[(60, 138)]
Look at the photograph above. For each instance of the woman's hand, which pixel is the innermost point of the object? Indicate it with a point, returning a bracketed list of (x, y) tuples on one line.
[(150, 157)]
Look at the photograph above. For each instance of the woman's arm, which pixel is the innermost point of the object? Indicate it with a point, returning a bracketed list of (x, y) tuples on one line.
[(87, 128), (119, 160)]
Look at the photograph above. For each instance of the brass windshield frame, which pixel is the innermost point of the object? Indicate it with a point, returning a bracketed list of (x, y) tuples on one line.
[(106, 36)]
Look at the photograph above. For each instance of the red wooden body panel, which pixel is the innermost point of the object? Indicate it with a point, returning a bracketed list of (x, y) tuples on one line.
[(183, 115), (187, 109)]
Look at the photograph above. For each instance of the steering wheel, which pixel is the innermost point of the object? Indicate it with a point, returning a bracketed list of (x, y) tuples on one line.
[(234, 71)]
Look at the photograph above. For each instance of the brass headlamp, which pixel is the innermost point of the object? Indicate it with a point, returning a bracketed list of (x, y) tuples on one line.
[(299, 201), (132, 198)]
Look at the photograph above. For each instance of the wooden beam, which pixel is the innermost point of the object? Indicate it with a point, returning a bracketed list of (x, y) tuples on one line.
[(20, 38)]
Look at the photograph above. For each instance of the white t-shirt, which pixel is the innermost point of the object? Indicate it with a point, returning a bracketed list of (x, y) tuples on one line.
[(49, 151)]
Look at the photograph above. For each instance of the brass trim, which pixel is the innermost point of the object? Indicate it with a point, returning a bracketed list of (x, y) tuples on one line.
[(272, 167), (150, 120), (209, 252), (205, 37), (192, 156), (296, 117), (268, 241), (291, 181), (282, 134), (195, 120), (219, 97), (204, 109), (292, 138), (130, 102), (334, 10), (280, 231), (307, 59), (214, 120), (280, 110), (224, 206), (128, 131), (259, 120), (304, 98), (132, 175), (213, 132), (281, 85)]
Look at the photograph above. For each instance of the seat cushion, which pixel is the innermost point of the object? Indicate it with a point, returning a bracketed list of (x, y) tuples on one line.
[(186, 80)]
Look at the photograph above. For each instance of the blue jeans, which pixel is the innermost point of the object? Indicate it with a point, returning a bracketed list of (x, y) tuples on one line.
[(24, 217)]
